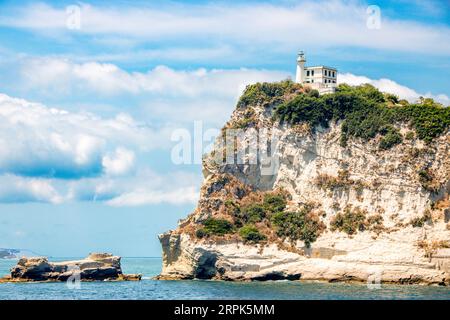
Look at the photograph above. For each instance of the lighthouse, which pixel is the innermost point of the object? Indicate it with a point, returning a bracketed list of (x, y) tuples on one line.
[(321, 78), (300, 75)]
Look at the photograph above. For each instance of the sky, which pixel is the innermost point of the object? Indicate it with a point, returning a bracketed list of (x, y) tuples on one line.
[(94, 96)]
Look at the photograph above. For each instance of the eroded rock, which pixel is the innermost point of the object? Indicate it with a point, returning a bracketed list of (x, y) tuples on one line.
[(97, 266)]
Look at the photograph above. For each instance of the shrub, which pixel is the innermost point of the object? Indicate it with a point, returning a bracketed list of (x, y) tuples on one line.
[(375, 223), (313, 93), (428, 181), (392, 138), (409, 135), (232, 207), (253, 213), (217, 226), (327, 182), (266, 92), (299, 225), (248, 119), (431, 247), (304, 108), (274, 203), (391, 98), (342, 181), (425, 176), (428, 119), (419, 222), (375, 220), (350, 221), (251, 234), (200, 233)]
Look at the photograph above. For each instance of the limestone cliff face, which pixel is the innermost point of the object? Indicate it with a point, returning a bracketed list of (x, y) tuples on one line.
[(408, 243)]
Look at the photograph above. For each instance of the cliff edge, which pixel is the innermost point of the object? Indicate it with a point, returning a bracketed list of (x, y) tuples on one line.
[(350, 186)]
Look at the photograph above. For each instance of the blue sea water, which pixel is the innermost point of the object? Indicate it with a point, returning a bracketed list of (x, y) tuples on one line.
[(196, 289)]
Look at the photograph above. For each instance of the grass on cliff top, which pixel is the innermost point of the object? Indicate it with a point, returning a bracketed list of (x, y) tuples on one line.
[(264, 93), (366, 112)]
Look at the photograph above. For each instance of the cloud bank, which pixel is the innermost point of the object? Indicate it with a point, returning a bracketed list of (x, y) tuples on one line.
[(46, 142), (288, 25), (52, 155)]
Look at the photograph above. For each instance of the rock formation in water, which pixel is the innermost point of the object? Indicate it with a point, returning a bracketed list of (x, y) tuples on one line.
[(356, 189), (97, 266)]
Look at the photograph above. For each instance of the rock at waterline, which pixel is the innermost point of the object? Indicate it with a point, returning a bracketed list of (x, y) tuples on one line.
[(97, 266)]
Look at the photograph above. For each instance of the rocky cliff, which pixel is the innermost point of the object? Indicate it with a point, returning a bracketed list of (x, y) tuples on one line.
[(340, 187)]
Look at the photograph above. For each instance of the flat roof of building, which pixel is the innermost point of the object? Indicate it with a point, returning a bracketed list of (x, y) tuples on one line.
[(317, 67)]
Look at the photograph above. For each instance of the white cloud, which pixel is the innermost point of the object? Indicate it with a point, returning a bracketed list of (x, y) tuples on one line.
[(143, 188), (21, 189), (150, 188), (174, 95), (45, 142), (323, 23), (145, 197), (108, 79), (387, 85), (119, 162)]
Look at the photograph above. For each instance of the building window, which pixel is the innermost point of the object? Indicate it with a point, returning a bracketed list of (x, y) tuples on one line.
[(307, 73), (334, 81), (334, 74), (312, 80), (312, 72)]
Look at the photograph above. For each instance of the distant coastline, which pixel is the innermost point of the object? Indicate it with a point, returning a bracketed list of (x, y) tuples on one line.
[(12, 253), (8, 253)]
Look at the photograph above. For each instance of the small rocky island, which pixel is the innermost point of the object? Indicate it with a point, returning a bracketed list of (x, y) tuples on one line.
[(96, 267)]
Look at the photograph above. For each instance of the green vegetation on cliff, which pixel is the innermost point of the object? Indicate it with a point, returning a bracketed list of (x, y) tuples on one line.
[(365, 111), (214, 226), (300, 225), (261, 216), (352, 220), (251, 234), (265, 93)]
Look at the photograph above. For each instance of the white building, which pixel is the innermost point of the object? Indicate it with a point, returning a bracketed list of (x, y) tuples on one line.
[(322, 78)]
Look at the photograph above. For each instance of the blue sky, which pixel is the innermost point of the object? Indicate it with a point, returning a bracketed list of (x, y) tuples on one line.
[(89, 102)]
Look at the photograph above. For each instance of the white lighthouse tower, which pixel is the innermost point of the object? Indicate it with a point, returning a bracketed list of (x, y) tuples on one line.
[(300, 75)]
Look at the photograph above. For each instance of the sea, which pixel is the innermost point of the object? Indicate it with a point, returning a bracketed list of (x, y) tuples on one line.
[(149, 289)]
